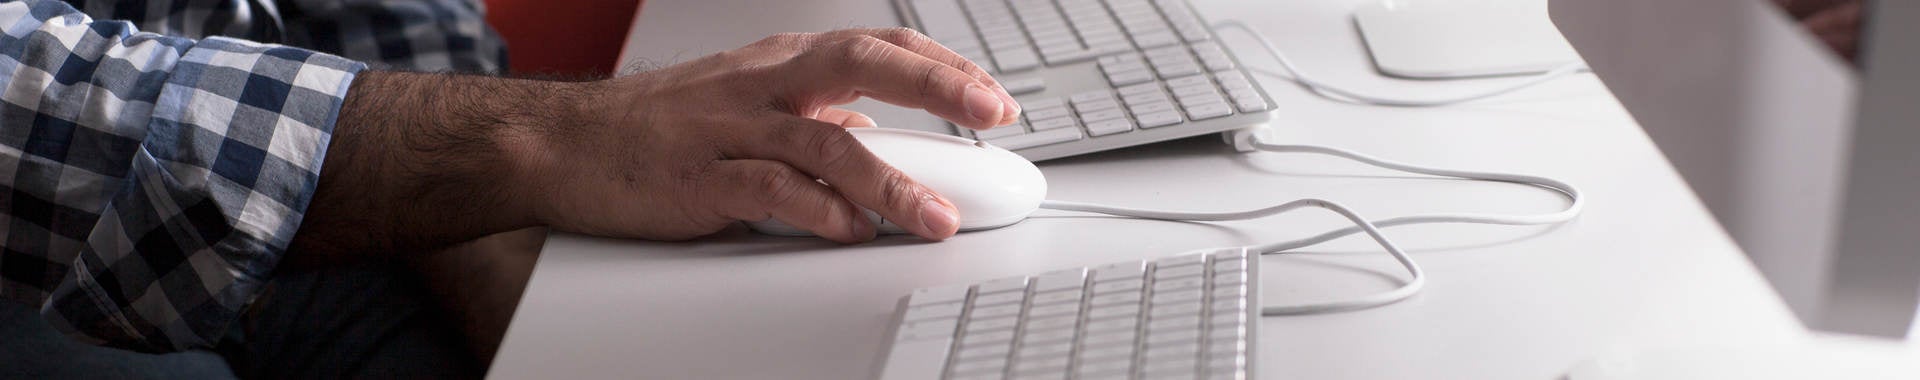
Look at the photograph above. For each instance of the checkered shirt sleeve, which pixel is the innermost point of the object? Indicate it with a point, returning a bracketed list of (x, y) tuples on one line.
[(149, 184), (419, 35)]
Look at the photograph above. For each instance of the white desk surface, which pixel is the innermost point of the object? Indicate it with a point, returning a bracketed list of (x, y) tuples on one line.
[(1644, 267)]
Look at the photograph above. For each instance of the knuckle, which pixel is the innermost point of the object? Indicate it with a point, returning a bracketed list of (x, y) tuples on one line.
[(903, 36), (930, 82), (897, 191), (832, 148), (777, 186), (786, 39), (858, 51)]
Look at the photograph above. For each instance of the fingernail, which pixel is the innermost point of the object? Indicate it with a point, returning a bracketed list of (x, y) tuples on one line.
[(983, 105), (1012, 111), (939, 220), (861, 228)]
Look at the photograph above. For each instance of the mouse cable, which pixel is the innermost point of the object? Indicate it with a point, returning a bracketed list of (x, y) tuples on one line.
[(1336, 93), (1372, 228)]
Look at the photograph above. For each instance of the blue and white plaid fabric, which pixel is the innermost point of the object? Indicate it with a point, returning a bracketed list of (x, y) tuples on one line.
[(150, 183)]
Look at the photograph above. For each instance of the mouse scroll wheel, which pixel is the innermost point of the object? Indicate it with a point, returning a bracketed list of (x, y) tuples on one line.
[(980, 144)]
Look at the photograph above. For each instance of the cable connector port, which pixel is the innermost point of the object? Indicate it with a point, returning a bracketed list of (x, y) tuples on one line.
[(1242, 139)]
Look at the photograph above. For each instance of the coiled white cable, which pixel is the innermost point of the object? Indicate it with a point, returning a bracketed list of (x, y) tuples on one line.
[(1336, 93), (1416, 279)]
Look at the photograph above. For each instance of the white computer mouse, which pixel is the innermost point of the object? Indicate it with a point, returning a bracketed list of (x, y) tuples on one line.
[(991, 187)]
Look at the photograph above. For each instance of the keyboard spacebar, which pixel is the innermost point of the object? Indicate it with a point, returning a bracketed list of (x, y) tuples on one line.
[(922, 359), (942, 19)]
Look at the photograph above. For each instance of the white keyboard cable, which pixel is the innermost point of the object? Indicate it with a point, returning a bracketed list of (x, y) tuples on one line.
[(1344, 95), (1417, 278)]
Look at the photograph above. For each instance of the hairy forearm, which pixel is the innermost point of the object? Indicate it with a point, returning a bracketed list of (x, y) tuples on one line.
[(422, 161)]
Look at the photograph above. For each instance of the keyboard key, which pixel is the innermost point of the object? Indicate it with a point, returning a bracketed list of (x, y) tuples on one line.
[(926, 296), (1188, 81), (1155, 39), (1121, 66), (1068, 309), (1145, 98), (1177, 261), (1116, 298), (928, 329), (1103, 115), (950, 310), (1053, 297), (1039, 104), (1129, 77), (996, 299), (1060, 280), (1127, 310), (1097, 105), (1108, 127), (1023, 85), (1209, 111), (1158, 119), (1122, 271), (1087, 370), (1177, 70), (1230, 278), (1160, 286), (1140, 88), (1000, 131), (921, 359), (995, 311), (1110, 343), (1091, 96), (1066, 57), (1041, 114), (1044, 337), (971, 340), (1141, 110), (937, 23), (989, 365), (1119, 58), (1055, 123), (1184, 324), (1220, 320), (1051, 351), (1180, 296), (1223, 265), (1179, 272), (994, 324), (1132, 286), (1199, 99), (1227, 292), (1108, 325), (1002, 285), (1021, 59), (1193, 89), (1181, 344), (1173, 310), (1110, 350), (1251, 105), (1037, 139), (983, 352)]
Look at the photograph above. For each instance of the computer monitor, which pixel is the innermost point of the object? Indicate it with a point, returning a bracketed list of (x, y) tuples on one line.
[(1810, 161)]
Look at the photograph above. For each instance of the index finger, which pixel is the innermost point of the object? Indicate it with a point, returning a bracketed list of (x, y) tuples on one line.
[(920, 43), (869, 66)]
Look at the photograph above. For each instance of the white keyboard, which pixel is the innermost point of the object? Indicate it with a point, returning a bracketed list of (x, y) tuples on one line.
[(1093, 75), (1190, 316)]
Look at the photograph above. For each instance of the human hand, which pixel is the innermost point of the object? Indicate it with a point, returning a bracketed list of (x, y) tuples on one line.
[(742, 135)]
